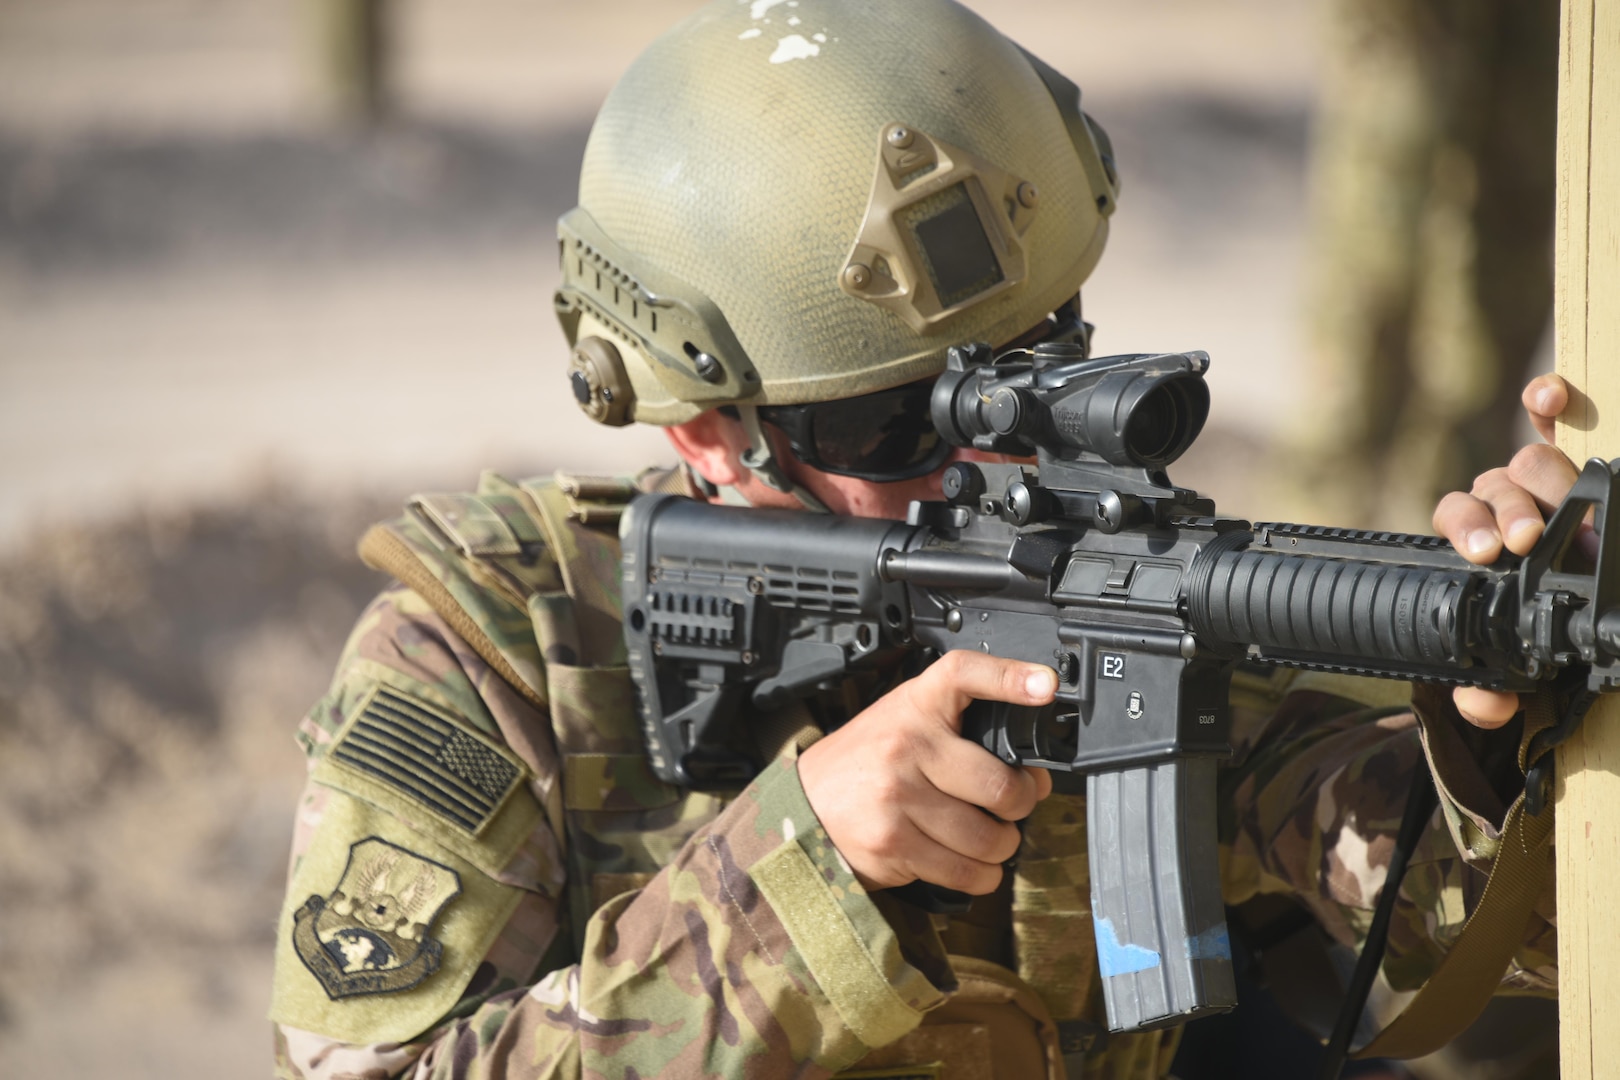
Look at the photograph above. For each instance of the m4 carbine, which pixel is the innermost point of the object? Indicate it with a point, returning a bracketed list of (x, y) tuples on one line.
[(1133, 590)]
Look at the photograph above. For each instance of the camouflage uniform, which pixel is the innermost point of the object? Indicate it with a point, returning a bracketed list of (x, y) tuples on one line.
[(487, 879)]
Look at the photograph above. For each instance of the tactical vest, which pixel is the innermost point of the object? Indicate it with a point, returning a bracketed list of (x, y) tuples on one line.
[(1029, 1001)]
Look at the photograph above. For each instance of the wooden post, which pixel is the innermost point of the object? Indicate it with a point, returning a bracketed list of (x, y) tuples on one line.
[(1588, 328)]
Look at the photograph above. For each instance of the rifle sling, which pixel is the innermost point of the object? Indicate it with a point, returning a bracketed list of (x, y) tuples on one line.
[(1472, 970)]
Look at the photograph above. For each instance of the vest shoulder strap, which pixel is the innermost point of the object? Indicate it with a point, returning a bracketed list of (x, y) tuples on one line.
[(478, 559)]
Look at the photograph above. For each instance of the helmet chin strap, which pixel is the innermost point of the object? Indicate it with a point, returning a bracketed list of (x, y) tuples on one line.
[(759, 460)]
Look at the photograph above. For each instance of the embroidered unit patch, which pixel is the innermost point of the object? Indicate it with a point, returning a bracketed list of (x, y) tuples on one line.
[(411, 746), (370, 936)]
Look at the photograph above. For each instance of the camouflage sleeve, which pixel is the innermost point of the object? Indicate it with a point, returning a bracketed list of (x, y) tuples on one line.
[(1311, 807), (411, 942), (755, 954)]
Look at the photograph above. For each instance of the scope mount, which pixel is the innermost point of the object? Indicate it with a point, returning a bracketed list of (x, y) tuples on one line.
[(1102, 432)]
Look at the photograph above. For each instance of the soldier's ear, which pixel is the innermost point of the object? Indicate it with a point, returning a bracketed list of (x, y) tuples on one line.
[(713, 445)]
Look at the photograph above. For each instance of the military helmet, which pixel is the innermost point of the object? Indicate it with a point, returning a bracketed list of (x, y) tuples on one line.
[(790, 201)]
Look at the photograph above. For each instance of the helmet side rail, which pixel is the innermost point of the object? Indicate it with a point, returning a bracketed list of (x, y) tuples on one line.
[(1135, 592)]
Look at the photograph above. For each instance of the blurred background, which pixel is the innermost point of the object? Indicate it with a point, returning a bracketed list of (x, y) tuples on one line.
[(266, 268)]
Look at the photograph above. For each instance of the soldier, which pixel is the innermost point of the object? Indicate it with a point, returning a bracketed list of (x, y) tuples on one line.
[(787, 212)]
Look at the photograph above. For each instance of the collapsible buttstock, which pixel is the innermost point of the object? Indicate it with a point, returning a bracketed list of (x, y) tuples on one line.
[(1162, 945)]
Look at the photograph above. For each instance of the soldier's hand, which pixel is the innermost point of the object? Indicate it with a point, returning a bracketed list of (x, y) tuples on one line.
[(900, 792), (1507, 508)]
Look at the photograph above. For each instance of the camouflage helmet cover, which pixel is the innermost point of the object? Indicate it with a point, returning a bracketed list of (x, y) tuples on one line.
[(748, 175)]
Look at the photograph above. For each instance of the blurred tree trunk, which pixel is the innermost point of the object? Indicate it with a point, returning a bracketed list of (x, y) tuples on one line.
[(357, 58), (1431, 287)]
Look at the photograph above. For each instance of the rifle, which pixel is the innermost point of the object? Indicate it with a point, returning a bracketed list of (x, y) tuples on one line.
[(1132, 589)]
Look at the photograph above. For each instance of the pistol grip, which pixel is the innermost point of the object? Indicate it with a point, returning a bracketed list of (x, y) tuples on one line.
[(1162, 945), (935, 899)]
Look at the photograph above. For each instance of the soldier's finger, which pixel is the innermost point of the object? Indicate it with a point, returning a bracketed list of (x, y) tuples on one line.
[(960, 677), (1485, 708), (1544, 472), (1547, 475), (1043, 781), (968, 772), (966, 830), (1517, 511), (1470, 524), (1544, 398), (929, 860), (895, 851)]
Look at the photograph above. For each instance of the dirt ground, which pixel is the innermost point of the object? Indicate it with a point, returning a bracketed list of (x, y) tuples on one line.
[(231, 333)]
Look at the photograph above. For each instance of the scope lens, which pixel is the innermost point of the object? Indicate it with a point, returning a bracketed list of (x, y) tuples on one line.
[(1156, 426)]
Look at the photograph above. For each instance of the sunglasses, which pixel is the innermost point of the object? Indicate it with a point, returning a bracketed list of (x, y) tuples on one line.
[(889, 436), (884, 437)]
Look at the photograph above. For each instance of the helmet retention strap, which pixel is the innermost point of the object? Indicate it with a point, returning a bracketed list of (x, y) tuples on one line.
[(760, 461)]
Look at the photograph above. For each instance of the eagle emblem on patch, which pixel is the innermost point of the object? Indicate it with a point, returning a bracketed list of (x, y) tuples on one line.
[(370, 935)]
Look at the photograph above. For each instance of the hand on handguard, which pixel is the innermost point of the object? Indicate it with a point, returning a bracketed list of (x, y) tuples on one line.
[(1507, 508)]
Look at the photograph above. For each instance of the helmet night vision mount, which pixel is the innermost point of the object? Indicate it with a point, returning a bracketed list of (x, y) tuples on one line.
[(941, 231)]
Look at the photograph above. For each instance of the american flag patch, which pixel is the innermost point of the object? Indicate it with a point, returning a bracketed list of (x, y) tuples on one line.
[(414, 747)]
